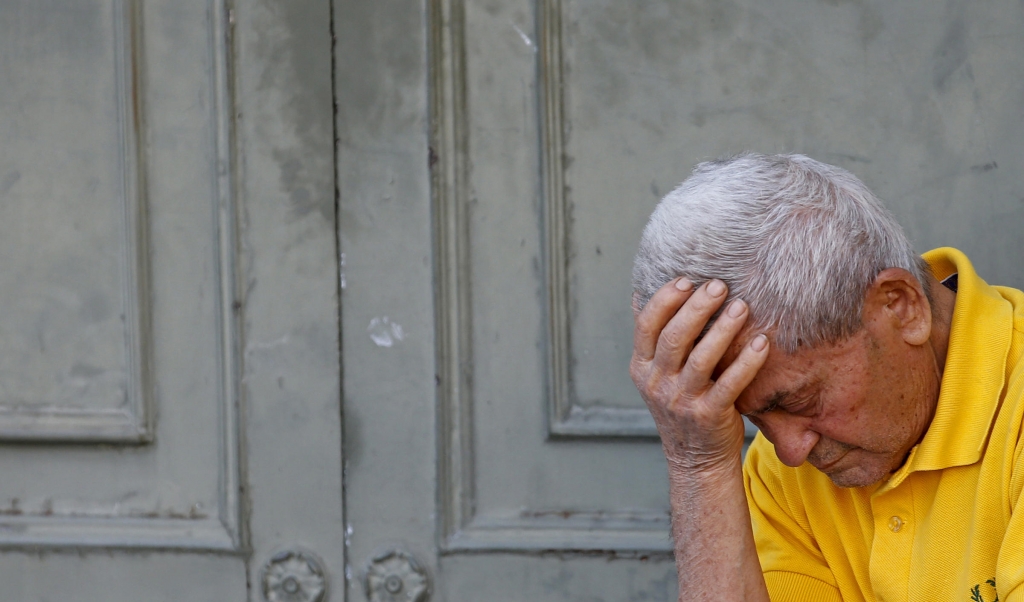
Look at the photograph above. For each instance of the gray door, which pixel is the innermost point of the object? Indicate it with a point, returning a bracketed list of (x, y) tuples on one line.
[(497, 160), (169, 361), (169, 383)]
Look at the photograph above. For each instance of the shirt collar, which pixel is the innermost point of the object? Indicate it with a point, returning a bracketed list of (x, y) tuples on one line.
[(974, 374)]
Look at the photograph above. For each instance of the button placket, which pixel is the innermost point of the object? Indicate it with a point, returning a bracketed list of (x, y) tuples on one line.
[(892, 544)]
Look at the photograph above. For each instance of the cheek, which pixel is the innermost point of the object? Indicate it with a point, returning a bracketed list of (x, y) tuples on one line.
[(850, 402), (848, 414), (853, 398)]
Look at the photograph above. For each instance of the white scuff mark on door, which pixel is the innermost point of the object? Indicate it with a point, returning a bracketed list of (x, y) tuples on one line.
[(526, 39), (384, 332), (258, 346), (341, 271)]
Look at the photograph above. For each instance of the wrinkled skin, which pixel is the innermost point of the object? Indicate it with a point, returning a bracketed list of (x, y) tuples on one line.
[(701, 433), (853, 409), (695, 414)]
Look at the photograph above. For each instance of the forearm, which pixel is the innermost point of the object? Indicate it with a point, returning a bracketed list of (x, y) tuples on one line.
[(714, 545), (702, 432)]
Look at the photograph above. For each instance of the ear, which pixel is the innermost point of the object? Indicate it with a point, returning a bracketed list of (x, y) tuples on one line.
[(636, 304), (896, 300)]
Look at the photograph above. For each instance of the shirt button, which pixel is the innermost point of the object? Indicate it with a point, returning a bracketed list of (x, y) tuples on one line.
[(895, 524)]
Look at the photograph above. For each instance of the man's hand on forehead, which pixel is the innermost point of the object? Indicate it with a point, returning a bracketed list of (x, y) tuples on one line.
[(673, 367)]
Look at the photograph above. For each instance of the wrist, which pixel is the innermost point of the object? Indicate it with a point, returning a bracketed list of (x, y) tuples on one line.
[(703, 476), (685, 462)]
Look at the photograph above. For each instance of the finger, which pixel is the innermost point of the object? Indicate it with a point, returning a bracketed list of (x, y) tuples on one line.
[(741, 372), (682, 330), (706, 355), (650, 321)]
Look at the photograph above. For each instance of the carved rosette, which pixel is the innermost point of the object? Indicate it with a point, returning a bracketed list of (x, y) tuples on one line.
[(396, 577), (294, 576)]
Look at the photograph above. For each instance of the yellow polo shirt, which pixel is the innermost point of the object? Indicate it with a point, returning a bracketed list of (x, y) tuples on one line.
[(949, 524)]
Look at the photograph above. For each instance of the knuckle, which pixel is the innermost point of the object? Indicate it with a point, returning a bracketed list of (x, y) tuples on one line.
[(654, 305), (700, 362), (644, 377), (670, 340), (724, 324), (747, 361), (661, 395), (732, 383), (636, 371), (642, 331), (726, 389)]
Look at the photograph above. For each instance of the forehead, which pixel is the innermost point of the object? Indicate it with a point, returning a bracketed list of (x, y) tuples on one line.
[(784, 373)]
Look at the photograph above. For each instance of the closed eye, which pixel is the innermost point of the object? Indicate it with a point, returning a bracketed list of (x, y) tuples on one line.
[(803, 401), (773, 403), (803, 405)]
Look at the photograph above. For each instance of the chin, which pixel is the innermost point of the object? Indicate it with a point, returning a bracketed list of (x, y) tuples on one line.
[(855, 477)]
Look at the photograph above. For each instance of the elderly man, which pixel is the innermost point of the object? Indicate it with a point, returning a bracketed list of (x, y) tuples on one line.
[(889, 393)]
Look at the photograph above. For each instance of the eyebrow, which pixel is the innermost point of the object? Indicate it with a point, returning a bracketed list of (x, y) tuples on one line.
[(770, 404), (779, 397)]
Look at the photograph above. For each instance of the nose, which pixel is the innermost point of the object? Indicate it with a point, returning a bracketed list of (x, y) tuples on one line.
[(791, 435)]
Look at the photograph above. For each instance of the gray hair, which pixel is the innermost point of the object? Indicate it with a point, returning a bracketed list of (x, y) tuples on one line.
[(798, 240)]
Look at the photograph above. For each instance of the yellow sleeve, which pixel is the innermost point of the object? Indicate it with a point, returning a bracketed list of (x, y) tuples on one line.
[(793, 566), (1010, 562)]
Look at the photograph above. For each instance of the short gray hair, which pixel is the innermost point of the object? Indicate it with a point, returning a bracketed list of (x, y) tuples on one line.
[(798, 240)]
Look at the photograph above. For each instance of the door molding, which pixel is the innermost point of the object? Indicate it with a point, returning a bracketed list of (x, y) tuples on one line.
[(216, 530), (131, 423), (461, 529)]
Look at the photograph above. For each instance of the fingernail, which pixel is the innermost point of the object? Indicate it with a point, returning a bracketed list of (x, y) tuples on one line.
[(684, 284), (716, 288), (736, 308), (759, 343)]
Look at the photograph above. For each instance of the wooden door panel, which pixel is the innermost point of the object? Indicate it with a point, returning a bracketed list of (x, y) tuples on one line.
[(556, 127), (116, 330), (72, 235), (169, 376)]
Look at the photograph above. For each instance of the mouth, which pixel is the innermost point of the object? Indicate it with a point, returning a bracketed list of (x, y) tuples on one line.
[(825, 467)]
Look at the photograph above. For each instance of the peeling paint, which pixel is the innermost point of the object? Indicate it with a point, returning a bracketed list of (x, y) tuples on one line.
[(526, 39), (384, 332), (92, 510), (258, 346), (341, 271)]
